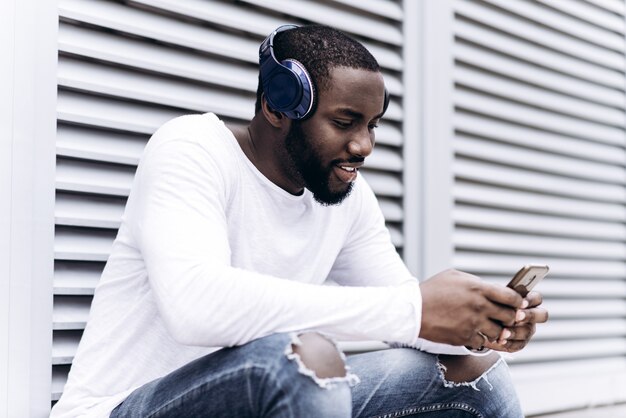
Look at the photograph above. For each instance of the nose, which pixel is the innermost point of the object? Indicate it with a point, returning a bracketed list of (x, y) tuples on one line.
[(362, 143)]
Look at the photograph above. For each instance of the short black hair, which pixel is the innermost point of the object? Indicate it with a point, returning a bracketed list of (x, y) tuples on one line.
[(319, 48)]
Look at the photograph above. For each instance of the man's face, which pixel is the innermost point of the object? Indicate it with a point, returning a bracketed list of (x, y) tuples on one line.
[(326, 150)]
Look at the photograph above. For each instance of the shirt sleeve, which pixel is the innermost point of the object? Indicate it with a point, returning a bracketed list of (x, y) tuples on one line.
[(369, 258), (178, 219)]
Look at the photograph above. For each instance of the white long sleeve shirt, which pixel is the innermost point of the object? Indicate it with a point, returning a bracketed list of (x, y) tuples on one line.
[(211, 254)]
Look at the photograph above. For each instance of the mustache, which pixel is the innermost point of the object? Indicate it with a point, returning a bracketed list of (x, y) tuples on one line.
[(350, 160)]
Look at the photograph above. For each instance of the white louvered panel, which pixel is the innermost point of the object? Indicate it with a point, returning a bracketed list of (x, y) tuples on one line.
[(383, 8), (481, 12), (582, 328), (485, 172), (570, 350), (576, 28), (516, 200), (75, 277), (131, 85), (609, 18), (538, 161), (125, 68), (515, 221), (570, 384), (535, 75), (579, 288), (498, 264), (88, 210), (532, 138), (537, 97), (89, 144), (509, 45), (471, 239), (538, 118), (70, 312), (93, 177)]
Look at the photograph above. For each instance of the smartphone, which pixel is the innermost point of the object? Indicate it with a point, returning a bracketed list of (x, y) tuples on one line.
[(527, 277)]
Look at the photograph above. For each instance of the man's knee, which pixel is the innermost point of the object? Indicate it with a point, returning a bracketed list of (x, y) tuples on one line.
[(320, 355), (467, 368)]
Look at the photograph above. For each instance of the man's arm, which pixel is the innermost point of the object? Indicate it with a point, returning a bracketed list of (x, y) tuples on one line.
[(178, 219)]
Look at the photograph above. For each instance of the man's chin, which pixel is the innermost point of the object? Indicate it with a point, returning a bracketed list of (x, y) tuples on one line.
[(327, 197)]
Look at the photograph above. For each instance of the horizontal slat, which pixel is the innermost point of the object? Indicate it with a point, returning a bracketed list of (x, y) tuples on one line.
[(91, 144), (497, 264), (88, 210), (131, 85), (384, 184), (570, 350), (120, 17), (64, 345), (384, 8), (539, 182), (76, 278), (523, 244), (83, 244), (582, 288), (328, 15), (536, 75), (578, 28), (531, 202), (536, 55), (538, 161), (59, 377), (109, 113), (560, 44), (70, 312), (385, 159), (536, 97), (609, 19), (581, 328), (585, 308), (523, 136), (93, 177), (392, 209), (505, 220), (538, 118), (158, 58), (565, 385)]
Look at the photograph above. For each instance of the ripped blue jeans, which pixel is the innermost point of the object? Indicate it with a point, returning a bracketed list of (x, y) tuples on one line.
[(264, 378)]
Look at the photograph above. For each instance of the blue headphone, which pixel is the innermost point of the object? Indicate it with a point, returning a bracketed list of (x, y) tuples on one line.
[(287, 85)]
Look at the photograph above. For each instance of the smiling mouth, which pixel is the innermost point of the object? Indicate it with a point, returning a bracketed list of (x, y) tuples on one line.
[(345, 173)]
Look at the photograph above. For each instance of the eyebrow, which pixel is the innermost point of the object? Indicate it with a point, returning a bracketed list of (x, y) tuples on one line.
[(354, 114)]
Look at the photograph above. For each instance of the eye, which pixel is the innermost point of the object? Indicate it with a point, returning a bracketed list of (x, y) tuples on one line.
[(343, 124), (372, 126)]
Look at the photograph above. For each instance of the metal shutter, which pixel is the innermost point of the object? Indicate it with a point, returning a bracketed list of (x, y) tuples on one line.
[(540, 170), (127, 67)]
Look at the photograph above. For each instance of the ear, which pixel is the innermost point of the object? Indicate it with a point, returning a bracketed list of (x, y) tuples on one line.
[(275, 118)]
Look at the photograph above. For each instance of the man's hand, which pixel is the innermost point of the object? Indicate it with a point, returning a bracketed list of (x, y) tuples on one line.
[(460, 309), (516, 337)]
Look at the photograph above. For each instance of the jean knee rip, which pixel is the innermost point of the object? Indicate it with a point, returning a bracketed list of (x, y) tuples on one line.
[(473, 384), (328, 382)]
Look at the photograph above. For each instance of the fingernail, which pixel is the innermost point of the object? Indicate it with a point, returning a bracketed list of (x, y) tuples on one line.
[(506, 334), (520, 315), (524, 304)]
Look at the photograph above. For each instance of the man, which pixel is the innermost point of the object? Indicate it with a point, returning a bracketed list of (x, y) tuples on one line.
[(212, 304)]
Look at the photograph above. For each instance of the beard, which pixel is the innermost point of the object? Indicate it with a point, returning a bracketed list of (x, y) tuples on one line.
[(307, 166)]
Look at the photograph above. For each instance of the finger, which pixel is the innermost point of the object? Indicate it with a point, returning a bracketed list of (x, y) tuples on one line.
[(531, 316), (534, 299), (491, 329), (478, 341), (501, 313), (503, 295), (518, 333)]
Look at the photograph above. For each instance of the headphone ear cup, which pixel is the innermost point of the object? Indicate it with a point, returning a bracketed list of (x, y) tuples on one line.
[(283, 90), (303, 105)]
